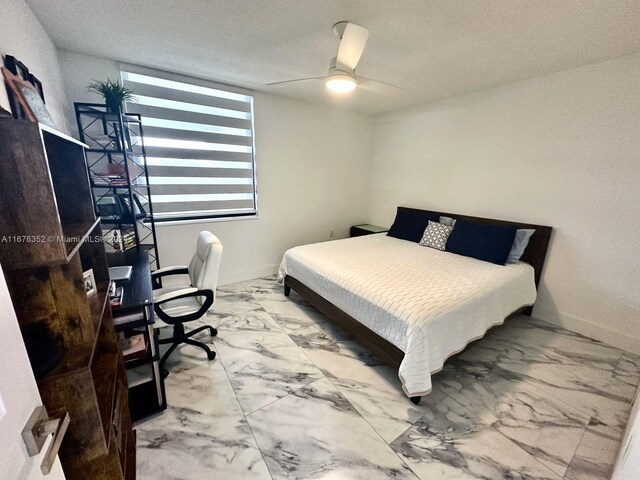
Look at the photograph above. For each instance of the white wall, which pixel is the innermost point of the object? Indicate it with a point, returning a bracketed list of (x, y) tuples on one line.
[(22, 36), (312, 171), (312, 175), (560, 150), (628, 460)]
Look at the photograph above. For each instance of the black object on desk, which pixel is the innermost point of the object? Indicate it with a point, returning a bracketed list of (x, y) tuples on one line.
[(134, 316)]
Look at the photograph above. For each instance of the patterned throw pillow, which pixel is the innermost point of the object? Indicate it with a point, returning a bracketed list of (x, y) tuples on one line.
[(436, 235)]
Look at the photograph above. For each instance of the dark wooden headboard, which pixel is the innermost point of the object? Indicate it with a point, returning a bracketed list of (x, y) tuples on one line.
[(536, 251)]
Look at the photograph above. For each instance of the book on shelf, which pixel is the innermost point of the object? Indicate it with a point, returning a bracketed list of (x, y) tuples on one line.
[(122, 239), (116, 298), (133, 347), (130, 318), (100, 180)]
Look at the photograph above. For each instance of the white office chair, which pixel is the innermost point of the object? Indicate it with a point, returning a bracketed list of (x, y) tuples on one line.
[(177, 305)]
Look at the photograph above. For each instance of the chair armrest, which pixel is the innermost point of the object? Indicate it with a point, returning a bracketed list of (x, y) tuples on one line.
[(183, 293), (170, 270), (156, 275)]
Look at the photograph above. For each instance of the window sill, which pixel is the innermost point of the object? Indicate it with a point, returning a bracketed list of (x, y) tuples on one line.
[(206, 220)]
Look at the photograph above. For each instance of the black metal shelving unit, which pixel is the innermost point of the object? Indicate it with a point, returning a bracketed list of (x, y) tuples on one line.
[(117, 168)]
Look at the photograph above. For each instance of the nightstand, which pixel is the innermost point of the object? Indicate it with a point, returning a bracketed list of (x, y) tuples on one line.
[(366, 229)]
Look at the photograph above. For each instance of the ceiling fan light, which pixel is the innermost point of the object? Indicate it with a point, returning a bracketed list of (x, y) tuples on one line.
[(340, 83)]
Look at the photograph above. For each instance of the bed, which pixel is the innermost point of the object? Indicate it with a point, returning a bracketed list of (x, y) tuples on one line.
[(413, 306)]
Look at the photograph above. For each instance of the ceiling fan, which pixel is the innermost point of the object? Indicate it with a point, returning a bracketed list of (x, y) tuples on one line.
[(341, 76)]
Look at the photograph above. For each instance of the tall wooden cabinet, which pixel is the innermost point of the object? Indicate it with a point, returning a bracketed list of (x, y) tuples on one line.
[(49, 236)]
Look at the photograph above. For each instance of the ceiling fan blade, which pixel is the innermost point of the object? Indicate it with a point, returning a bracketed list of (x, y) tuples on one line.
[(354, 39), (296, 80), (378, 87)]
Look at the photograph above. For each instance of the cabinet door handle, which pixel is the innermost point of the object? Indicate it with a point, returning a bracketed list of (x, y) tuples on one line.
[(38, 428), (61, 425)]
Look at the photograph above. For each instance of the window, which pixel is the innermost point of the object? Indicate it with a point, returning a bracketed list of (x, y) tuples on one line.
[(198, 137)]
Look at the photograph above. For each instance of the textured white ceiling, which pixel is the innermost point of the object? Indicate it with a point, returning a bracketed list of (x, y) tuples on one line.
[(432, 49)]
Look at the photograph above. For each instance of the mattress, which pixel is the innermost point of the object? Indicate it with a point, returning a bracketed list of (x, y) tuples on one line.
[(430, 304)]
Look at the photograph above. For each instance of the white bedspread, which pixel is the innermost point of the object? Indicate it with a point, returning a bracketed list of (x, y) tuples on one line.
[(430, 304)]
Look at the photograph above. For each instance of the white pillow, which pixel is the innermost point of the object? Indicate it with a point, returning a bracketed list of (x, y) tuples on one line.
[(519, 244), (436, 235)]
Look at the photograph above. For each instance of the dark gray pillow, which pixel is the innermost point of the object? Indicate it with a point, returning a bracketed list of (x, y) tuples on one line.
[(519, 244), (448, 221)]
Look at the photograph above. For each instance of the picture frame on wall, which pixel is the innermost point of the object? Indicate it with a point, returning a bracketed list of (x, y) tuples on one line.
[(20, 70), (16, 67), (37, 85), (28, 98)]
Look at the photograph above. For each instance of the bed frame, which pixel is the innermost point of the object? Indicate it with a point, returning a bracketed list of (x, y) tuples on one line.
[(534, 254)]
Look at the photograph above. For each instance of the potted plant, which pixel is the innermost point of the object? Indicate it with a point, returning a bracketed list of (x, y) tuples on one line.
[(113, 93)]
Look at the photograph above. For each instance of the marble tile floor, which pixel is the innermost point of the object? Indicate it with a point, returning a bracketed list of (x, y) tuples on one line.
[(291, 397)]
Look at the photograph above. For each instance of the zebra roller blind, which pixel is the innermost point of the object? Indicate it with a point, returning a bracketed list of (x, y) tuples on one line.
[(198, 137)]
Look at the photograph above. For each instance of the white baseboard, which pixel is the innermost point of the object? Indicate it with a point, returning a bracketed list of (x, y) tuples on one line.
[(588, 329), (241, 276)]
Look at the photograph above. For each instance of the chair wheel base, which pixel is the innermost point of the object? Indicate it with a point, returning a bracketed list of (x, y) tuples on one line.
[(179, 337)]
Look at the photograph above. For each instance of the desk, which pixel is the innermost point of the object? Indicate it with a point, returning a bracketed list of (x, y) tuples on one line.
[(135, 315)]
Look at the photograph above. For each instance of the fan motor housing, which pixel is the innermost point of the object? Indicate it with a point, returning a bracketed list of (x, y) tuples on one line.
[(335, 68)]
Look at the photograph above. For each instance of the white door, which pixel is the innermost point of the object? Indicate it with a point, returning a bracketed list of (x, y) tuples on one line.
[(18, 398)]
